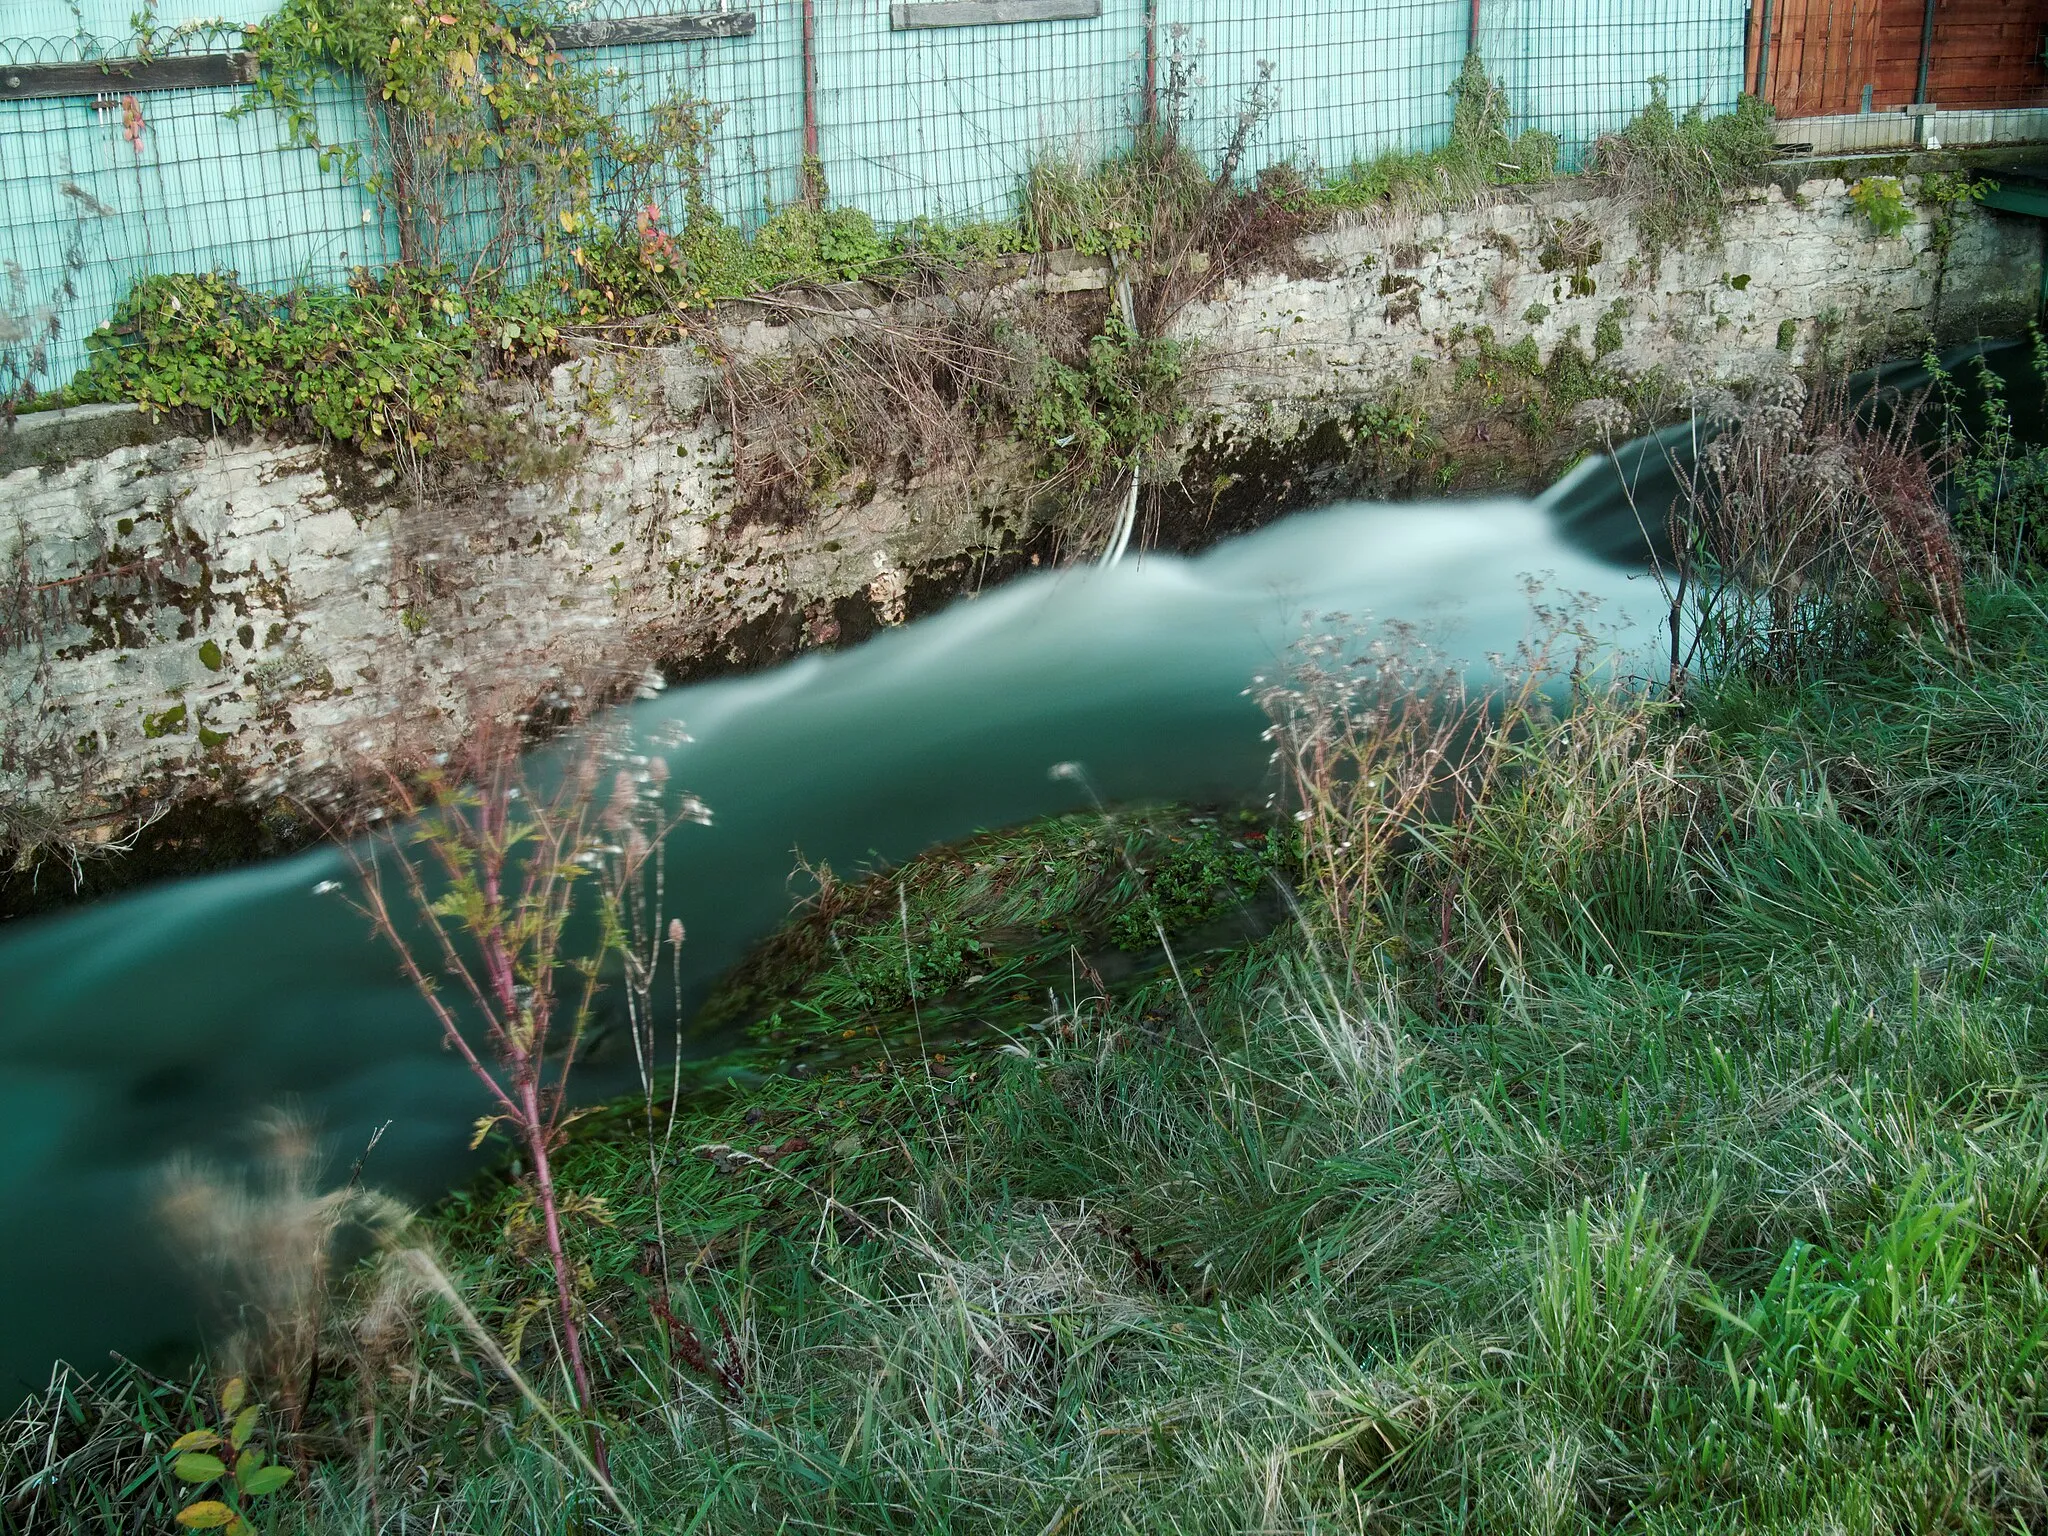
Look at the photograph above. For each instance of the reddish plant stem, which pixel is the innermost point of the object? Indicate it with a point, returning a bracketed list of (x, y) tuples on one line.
[(565, 1278)]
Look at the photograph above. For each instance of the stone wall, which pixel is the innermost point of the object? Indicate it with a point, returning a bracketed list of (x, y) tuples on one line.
[(1399, 298), (254, 614)]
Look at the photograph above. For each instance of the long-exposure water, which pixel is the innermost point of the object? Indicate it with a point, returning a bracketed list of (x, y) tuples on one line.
[(165, 1020)]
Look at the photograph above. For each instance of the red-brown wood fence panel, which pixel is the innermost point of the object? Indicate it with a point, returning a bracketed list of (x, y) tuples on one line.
[(1821, 57)]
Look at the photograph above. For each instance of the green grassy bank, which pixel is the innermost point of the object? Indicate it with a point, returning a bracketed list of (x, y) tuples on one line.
[(1665, 1151)]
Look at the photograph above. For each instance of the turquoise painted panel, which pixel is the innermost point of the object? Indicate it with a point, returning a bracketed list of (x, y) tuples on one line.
[(110, 19), (85, 209), (928, 122), (946, 121), (1345, 82), (1581, 68), (753, 85)]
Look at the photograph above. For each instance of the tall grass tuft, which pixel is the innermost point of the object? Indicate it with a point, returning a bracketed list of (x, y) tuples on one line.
[(272, 1252)]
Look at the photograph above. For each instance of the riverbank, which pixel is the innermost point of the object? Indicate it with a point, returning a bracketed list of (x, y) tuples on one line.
[(1663, 1151), (230, 613)]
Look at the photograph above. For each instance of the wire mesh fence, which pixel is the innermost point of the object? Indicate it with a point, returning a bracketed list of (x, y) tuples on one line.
[(100, 186)]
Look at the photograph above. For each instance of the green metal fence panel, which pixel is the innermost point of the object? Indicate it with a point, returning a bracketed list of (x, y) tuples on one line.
[(944, 122), (1581, 68), (753, 86), (97, 191), (111, 19), (910, 121), (1338, 83)]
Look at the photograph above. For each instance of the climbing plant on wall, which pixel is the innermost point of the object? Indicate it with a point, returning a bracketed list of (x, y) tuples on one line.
[(487, 147)]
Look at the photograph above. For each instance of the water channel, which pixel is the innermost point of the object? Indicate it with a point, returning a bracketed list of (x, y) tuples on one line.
[(165, 1020)]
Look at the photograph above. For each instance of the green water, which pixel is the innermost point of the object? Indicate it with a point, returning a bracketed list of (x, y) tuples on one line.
[(166, 1020)]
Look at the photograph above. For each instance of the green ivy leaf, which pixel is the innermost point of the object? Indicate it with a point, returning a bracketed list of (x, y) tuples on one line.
[(199, 1467), (266, 1481)]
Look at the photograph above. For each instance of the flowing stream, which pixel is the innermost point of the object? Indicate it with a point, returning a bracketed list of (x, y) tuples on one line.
[(166, 1020)]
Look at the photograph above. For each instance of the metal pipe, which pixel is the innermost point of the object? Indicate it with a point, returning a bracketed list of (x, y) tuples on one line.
[(1763, 55), (1926, 54), (1472, 32)]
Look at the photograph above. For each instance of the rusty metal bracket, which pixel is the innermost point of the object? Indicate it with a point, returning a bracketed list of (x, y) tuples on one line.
[(907, 15)]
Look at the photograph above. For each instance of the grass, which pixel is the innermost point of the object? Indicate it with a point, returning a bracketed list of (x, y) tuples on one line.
[(1676, 169), (1480, 153), (1668, 1155)]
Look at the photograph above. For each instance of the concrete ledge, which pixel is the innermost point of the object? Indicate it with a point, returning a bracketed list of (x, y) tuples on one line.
[(49, 439), (1873, 132)]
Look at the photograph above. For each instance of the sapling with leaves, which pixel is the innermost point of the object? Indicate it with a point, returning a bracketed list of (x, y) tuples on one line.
[(477, 894), (223, 1463)]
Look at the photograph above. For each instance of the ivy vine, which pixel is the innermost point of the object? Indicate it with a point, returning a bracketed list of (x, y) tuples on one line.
[(484, 140)]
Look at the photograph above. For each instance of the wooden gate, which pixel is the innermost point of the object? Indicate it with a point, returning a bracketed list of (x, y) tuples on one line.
[(1814, 58)]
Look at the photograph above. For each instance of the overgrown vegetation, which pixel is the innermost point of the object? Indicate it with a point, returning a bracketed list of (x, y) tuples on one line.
[(1998, 480), (1481, 152), (1811, 529), (1661, 1153), (1677, 168), (392, 362), (486, 138), (1549, 397), (488, 149)]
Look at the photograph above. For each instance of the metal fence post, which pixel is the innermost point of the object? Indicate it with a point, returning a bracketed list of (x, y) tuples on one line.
[(1472, 32), (813, 172), (1150, 105)]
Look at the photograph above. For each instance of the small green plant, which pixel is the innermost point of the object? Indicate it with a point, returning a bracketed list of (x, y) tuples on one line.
[(1193, 877), (225, 1462), (1882, 201), (1103, 415), (1607, 334), (1946, 194), (1997, 482), (389, 361)]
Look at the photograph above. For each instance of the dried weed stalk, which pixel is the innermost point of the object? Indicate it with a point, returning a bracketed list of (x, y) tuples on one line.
[(270, 1250), (1381, 741), (1809, 528), (908, 389)]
